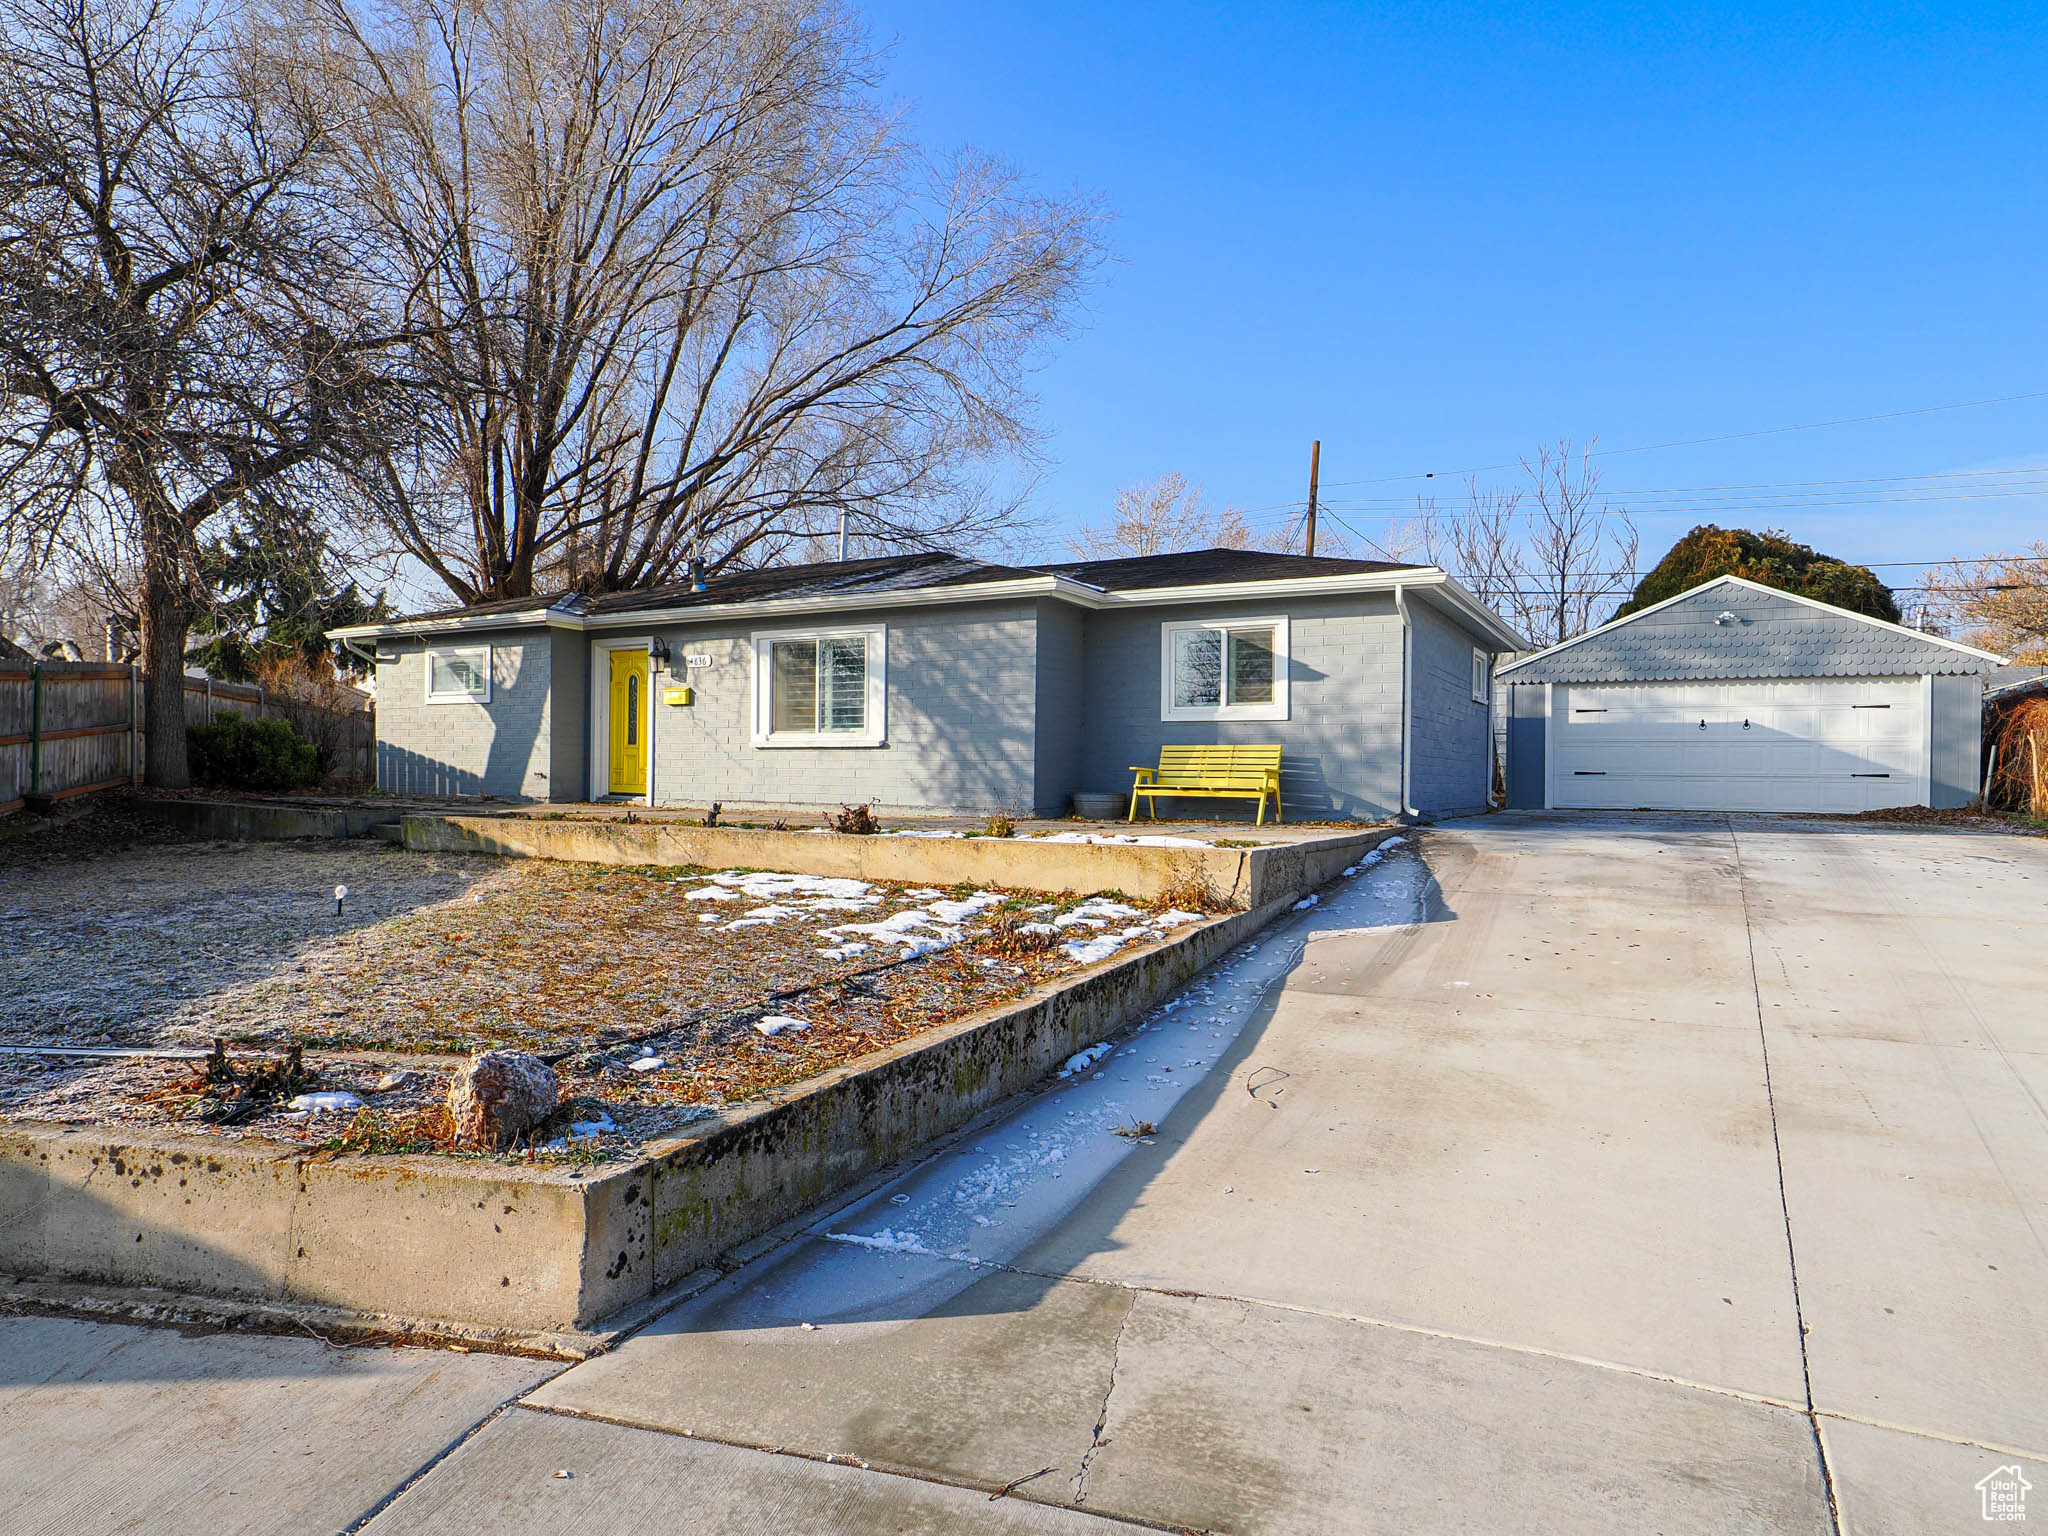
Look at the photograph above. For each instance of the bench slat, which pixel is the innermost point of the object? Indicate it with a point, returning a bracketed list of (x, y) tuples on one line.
[(1231, 772)]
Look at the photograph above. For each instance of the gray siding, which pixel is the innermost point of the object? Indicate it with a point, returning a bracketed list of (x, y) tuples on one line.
[(1449, 763), (1958, 741), (1341, 742), (501, 748), (1527, 723), (569, 755), (1773, 636), (961, 687), (1061, 730)]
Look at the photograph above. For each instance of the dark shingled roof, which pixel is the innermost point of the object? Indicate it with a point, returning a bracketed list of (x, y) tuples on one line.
[(937, 568), (1193, 567)]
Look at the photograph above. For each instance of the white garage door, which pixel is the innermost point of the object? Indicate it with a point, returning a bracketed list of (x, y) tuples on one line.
[(1840, 744)]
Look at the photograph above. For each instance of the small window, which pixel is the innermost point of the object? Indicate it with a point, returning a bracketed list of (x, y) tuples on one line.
[(458, 672), (1234, 670), (1482, 677), (819, 689)]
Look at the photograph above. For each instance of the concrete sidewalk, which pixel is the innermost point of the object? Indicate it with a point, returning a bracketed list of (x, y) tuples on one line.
[(1578, 1174)]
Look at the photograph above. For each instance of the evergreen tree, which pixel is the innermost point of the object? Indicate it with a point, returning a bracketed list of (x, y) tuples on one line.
[(1768, 558)]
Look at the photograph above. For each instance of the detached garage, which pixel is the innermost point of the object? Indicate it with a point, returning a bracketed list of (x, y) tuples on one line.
[(1738, 697)]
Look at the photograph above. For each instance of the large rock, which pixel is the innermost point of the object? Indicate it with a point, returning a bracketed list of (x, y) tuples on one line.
[(499, 1097)]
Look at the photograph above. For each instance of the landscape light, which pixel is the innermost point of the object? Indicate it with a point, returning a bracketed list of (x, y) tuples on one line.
[(340, 895)]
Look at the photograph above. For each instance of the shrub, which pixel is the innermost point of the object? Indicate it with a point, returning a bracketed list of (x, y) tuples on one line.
[(855, 819), (234, 753)]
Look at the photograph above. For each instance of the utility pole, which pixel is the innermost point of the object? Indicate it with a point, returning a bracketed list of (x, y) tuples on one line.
[(842, 536), (1315, 464)]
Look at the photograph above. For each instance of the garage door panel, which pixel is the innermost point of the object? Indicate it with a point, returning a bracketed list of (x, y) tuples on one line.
[(1837, 744)]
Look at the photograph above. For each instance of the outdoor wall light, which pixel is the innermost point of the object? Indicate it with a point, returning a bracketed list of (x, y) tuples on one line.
[(657, 652), (1725, 617)]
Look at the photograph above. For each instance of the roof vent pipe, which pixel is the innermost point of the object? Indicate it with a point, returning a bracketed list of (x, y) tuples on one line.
[(696, 575)]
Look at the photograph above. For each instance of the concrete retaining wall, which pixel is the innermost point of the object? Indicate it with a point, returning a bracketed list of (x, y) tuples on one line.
[(1238, 877), (260, 822), (534, 1249)]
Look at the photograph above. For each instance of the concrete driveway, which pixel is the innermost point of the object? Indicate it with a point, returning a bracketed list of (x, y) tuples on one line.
[(1555, 1174)]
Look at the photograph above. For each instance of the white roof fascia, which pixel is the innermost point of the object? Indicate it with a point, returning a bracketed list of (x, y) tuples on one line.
[(909, 597), (1754, 586), (457, 624), (1064, 588)]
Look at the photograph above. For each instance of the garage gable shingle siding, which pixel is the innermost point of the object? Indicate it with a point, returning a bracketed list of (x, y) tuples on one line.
[(1774, 636)]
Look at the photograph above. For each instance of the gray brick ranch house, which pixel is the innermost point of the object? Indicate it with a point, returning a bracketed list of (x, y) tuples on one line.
[(931, 682)]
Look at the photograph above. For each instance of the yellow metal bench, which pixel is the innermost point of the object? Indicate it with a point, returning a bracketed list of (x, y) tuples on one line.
[(1232, 773)]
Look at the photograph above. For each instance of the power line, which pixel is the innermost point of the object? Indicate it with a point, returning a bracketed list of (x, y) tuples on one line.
[(1725, 437)]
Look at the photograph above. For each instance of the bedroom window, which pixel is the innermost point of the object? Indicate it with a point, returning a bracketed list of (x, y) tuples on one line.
[(458, 674), (819, 688), (1232, 669)]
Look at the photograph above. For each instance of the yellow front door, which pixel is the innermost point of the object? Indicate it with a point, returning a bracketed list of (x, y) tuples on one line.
[(629, 722)]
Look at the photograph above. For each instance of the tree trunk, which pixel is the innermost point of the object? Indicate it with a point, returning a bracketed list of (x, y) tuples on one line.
[(166, 622)]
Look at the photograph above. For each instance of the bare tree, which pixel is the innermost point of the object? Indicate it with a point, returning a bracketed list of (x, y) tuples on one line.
[(681, 290), (1478, 542), (1580, 550), (2000, 603), (176, 322), (1161, 517)]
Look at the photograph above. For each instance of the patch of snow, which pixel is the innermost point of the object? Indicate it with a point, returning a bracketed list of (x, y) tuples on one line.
[(1097, 912), (776, 1023), (767, 885), (960, 911), (711, 893), (844, 951), (761, 917), (884, 1241), (331, 1103), (1081, 1060), (1088, 951), (921, 832), (1306, 902), (646, 1064)]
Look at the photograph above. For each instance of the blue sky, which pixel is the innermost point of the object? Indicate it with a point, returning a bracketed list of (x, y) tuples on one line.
[(1438, 236)]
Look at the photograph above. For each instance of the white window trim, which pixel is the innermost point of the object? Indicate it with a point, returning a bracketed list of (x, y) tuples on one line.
[(1482, 676), (876, 734), (1282, 651), (599, 787), (427, 693)]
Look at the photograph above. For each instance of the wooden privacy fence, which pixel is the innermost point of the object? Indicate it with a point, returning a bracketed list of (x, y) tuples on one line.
[(71, 727)]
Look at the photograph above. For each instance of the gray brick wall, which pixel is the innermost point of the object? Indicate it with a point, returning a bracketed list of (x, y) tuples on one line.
[(1449, 762), (1061, 730), (1341, 745), (569, 715), (961, 684), (501, 748)]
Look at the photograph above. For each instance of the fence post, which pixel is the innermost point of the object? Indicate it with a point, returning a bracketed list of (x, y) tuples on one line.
[(35, 729), (209, 698), (135, 722), (262, 702)]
